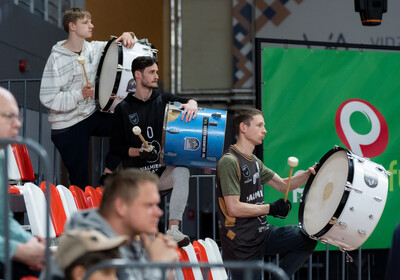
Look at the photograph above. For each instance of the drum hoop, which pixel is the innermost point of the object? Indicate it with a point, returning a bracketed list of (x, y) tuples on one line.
[(165, 121), (117, 78), (343, 200)]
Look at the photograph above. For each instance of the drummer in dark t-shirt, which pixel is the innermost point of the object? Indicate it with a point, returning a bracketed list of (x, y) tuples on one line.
[(145, 109), (244, 231)]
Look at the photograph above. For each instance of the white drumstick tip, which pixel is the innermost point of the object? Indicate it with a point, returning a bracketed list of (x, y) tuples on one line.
[(292, 161), (81, 60), (136, 130)]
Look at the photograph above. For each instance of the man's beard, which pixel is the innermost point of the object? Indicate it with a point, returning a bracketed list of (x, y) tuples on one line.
[(150, 85)]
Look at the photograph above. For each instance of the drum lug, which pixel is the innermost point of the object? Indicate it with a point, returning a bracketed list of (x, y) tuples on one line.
[(216, 115), (333, 220), (382, 169), (376, 198), (173, 131), (349, 186), (342, 224), (363, 232), (212, 159), (171, 154)]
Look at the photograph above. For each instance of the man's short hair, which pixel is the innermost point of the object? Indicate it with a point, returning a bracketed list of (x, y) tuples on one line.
[(142, 62), (124, 184), (72, 15), (245, 116)]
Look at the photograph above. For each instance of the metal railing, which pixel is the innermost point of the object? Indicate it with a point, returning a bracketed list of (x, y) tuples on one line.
[(35, 147), (249, 268)]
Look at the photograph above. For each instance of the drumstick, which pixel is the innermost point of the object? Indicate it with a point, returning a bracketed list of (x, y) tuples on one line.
[(81, 61), (292, 162), (137, 131)]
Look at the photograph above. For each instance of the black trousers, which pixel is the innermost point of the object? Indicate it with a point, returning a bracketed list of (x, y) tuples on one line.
[(73, 146)]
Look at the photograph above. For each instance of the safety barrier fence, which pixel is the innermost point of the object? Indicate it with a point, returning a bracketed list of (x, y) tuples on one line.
[(249, 268), (37, 149)]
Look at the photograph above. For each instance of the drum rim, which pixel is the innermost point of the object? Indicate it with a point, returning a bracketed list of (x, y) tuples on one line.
[(163, 133), (343, 200), (117, 77)]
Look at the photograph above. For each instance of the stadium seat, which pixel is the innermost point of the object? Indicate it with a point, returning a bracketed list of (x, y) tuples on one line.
[(189, 255), (13, 190), (23, 162), (212, 244), (68, 201), (14, 175), (100, 191), (93, 197), (201, 255), (79, 197), (57, 211), (35, 204)]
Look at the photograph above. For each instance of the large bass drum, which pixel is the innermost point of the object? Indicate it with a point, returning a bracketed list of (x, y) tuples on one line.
[(342, 204), (114, 77), (198, 143)]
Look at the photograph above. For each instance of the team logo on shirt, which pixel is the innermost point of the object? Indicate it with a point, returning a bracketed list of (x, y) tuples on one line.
[(245, 171), (134, 118)]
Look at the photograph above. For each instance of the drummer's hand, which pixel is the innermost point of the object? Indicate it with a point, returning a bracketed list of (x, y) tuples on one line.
[(189, 109), (311, 169), (280, 208), (127, 39), (88, 91)]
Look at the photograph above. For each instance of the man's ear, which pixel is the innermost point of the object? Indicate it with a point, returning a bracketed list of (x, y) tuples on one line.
[(78, 272), (71, 26), (120, 206), (242, 127), (138, 75)]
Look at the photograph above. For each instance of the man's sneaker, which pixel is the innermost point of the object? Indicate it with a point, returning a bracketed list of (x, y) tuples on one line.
[(178, 237)]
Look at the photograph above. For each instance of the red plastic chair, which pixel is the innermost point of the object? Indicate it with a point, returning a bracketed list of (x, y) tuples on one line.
[(23, 162), (93, 197), (13, 190), (100, 191), (57, 212), (183, 257), (201, 255), (79, 197)]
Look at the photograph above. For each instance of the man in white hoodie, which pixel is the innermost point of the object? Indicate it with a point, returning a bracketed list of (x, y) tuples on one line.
[(65, 92)]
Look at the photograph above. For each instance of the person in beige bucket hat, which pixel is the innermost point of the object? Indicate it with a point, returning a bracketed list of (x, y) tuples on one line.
[(80, 249)]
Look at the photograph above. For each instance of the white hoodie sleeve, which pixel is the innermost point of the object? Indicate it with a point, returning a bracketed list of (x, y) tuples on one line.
[(60, 90)]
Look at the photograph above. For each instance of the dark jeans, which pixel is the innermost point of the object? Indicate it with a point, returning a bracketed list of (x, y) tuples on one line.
[(18, 270), (393, 267), (290, 243), (73, 145)]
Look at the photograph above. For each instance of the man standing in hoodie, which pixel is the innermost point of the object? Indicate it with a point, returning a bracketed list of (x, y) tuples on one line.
[(145, 108), (64, 91)]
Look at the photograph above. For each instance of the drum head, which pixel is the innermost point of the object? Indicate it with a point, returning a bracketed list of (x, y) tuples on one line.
[(324, 193), (107, 74)]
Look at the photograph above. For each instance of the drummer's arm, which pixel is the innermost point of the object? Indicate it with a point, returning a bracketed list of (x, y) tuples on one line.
[(127, 39), (295, 182), (238, 209)]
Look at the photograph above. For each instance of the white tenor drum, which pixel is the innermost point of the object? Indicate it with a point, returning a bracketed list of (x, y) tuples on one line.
[(114, 77), (343, 202)]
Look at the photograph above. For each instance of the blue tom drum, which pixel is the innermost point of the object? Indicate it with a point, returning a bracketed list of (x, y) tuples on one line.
[(198, 143)]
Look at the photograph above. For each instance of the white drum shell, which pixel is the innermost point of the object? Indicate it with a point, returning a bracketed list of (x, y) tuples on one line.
[(113, 78), (363, 207)]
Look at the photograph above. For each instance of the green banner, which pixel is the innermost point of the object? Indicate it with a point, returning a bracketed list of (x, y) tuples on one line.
[(314, 99)]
